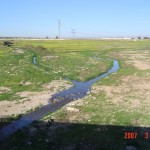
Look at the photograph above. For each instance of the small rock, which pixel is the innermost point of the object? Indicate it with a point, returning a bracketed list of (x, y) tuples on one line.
[(42, 128), (71, 109), (50, 133), (130, 148), (25, 82), (46, 140), (97, 129), (29, 143), (32, 130), (70, 147), (88, 92)]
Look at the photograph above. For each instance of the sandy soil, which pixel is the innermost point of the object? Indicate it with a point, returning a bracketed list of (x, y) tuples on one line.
[(31, 100)]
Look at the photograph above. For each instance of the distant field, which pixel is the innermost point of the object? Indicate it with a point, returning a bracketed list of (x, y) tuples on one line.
[(115, 105)]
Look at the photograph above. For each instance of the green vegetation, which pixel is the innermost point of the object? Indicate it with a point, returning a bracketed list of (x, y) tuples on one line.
[(55, 60), (117, 104)]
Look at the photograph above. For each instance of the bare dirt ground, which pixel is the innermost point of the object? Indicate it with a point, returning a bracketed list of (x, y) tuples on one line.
[(18, 51), (140, 59), (134, 91), (4, 89), (44, 58), (31, 100), (131, 94)]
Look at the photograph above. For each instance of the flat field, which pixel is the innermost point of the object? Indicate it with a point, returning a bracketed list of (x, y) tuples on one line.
[(114, 115)]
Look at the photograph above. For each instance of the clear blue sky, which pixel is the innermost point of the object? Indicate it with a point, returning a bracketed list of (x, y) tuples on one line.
[(91, 18)]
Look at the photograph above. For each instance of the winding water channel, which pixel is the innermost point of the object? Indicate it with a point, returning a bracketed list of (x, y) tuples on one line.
[(79, 90)]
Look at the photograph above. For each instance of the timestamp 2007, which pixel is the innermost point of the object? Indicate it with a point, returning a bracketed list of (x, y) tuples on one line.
[(134, 135)]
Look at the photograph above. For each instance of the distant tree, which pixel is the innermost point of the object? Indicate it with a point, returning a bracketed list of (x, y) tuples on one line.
[(56, 37), (146, 38), (139, 38)]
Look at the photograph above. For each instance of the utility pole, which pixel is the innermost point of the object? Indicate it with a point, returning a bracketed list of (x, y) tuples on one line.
[(59, 29), (73, 31)]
